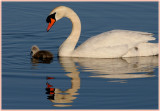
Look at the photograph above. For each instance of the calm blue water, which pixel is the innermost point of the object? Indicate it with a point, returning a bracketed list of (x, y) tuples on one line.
[(76, 83)]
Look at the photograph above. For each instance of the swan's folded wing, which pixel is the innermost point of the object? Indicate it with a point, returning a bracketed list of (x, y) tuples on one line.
[(112, 44), (103, 52), (117, 38)]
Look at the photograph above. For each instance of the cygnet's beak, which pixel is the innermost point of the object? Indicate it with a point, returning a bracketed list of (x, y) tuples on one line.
[(31, 53), (51, 24)]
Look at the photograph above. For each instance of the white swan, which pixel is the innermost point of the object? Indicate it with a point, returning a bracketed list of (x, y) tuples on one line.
[(111, 44)]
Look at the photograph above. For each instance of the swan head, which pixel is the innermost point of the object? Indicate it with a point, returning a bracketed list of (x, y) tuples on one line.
[(56, 14), (34, 49)]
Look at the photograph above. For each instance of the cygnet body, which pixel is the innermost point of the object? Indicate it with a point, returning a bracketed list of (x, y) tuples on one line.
[(40, 54)]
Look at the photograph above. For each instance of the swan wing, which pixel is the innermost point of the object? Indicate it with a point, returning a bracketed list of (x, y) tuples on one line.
[(117, 38), (115, 43)]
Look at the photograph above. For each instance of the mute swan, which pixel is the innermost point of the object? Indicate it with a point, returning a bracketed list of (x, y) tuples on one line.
[(40, 54), (111, 44)]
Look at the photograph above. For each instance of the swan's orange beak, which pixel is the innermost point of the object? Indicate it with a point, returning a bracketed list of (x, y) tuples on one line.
[(51, 24)]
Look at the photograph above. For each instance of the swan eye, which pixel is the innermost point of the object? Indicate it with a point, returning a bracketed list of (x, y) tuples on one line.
[(48, 20)]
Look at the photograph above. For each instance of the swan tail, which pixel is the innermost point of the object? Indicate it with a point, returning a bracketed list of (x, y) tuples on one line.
[(143, 49), (148, 49)]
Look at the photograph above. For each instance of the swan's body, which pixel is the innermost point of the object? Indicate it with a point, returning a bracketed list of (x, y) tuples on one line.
[(111, 44)]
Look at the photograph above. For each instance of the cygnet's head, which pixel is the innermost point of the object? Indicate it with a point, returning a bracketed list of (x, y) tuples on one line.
[(34, 49)]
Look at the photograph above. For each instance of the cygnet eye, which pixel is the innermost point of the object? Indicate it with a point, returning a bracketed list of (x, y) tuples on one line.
[(34, 48)]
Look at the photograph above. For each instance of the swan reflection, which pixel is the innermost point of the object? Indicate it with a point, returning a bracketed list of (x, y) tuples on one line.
[(116, 70), (120, 68), (59, 97)]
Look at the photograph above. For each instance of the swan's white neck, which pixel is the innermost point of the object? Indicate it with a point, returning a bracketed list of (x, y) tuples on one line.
[(68, 46)]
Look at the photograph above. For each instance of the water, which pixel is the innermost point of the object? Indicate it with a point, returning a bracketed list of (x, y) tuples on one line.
[(76, 83)]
